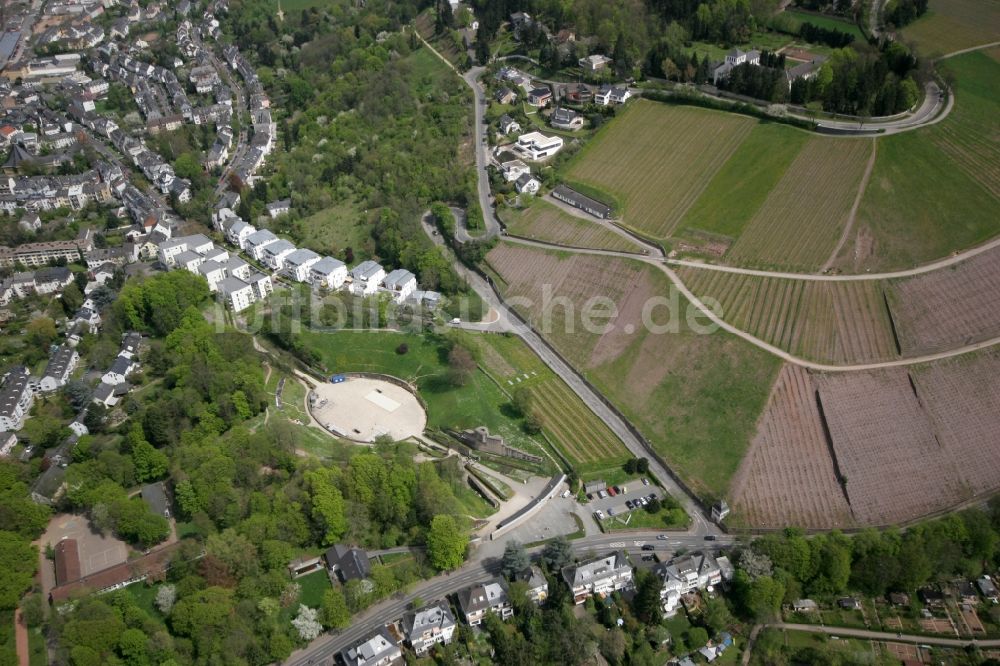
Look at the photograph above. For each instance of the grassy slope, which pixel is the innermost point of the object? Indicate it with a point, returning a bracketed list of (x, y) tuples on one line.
[(695, 397), (479, 402), (741, 186), (919, 204), (334, 228), (828, 22), (951, 25), (547, 222)]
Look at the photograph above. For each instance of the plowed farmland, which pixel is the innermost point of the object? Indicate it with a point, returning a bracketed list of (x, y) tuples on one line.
[(962, 397), (788, 476), (949, 308), (546, 222), (696, 397), (802, 218), (658, 159), (835, 322), (885, 447)]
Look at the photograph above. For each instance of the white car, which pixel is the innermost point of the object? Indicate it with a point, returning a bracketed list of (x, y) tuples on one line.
[(599, 514), (661, 537)]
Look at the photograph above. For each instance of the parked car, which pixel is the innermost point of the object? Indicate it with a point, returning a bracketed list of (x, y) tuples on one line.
[(645, 481), (599, 514), (628, 503), (611, 491), (649, 546), (602, 494), (623, 490)]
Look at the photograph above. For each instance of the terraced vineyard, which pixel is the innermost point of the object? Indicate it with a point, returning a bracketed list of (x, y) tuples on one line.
[(800, 222), (788, 476), (580, 435), (833, 322), (659, 159), (547, 222)]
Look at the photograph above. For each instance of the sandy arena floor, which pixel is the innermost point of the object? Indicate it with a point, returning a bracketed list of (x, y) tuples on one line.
[(97, 552), (362, 409)]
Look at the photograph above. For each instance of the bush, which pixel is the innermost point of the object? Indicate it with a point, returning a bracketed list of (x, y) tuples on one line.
[(402, 349)]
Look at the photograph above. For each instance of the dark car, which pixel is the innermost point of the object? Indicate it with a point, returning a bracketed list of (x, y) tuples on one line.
[(628, 503), (710, 537), (649, 546)]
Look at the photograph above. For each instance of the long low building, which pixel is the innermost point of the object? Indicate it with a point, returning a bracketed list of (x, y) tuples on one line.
[(584, 203)]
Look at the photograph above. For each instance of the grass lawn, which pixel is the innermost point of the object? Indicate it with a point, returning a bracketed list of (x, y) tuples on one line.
[(38, 654), (145, 596), (763, 40), (951, 25), (479, 402), (657, 159), (828, 22), (642, 519), (547, 222), (332, 229), (740, 187), (313, 587), (936, 190)]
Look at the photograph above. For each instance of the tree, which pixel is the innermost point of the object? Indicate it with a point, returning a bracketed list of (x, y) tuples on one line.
[(41, 331), (557, 553), (716, 614), (166, 597), (306, 623), (647, 598), (335, 613), (327, 505), (514, 561), (33, 610), (72, 298), (18, 559), (654, 505), (696, 637), (77, 392), (613, 646), (149, 463), (461, 365), (446, 543)]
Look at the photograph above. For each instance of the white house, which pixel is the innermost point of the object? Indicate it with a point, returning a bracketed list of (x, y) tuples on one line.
[(238, 294), (279, 208), (378, 649), (735, 58), (238, 268), (274, 254), (612, 95), (527, 184), (695, 571), (16, 399), (366, 277), (109, 394), (255, 243), (598, 577), (122, 367), (298, 263), (513, 170), (61, 363), (168, 250), (426, 627), (538, 585), (566, 119), (507, 125), (238, 232), (261, 284), (328, 272), (214, 272), (400, 283), (188, 260), (535, 146), (477, 600), (594, 63), (8, 441)]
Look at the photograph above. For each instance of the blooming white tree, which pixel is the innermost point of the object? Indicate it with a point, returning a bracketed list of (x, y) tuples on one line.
[(165, 598), (307, 623)]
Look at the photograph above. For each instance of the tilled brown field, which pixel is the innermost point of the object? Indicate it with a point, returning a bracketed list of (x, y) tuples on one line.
[(834, 322), (788, 476), (962, 397), (883, 439), (948, 308)]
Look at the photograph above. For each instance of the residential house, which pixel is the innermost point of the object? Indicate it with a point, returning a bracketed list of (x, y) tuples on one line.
[(527, 184), (261, 284), (695, 571), (236, 293), (477, 600), (535, 146), (255, 243), (214, 272), (239, 231), (507, 125), (109, 394), (298, 263), (378, 649), (598, 577), (539, 96), (805, 70), (612, 95), (120, 369), (400, 283), (734, 59), (52, 280), (16, 398), (8, 441), (505, 96), (899, 599), (538, 585), (987, 587), (62, 361), (426, 627), (849, 603), (513, 170), (720, 510), (279, 208), (274, 254), (566, 119), (366, 277), (584, 203), (805, 606), (594, 63), (348, 563), (329, 273)]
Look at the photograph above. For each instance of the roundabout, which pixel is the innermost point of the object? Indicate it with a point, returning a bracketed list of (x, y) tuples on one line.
[(362, 409)]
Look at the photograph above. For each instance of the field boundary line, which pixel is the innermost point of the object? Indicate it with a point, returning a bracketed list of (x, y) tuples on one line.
[(849, 225), (768, 347)]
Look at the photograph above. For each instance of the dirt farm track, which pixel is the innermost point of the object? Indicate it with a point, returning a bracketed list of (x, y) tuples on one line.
[(362, 408)]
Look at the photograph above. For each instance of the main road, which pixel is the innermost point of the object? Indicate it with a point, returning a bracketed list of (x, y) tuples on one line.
[(324, 649)]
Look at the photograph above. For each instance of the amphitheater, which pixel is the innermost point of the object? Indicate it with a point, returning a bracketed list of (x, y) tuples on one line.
[(364, 408)]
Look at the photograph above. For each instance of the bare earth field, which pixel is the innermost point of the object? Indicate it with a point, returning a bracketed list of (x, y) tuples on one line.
[(948, 308), (659, 159), (835, 322), (799, 223), (885, 448), (788, 476), (545, 222)]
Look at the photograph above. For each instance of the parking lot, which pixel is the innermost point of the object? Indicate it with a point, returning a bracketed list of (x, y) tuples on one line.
[(617, 505)]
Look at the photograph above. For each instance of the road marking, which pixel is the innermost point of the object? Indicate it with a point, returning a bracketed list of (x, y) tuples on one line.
[(617, 544), (639, 543)]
